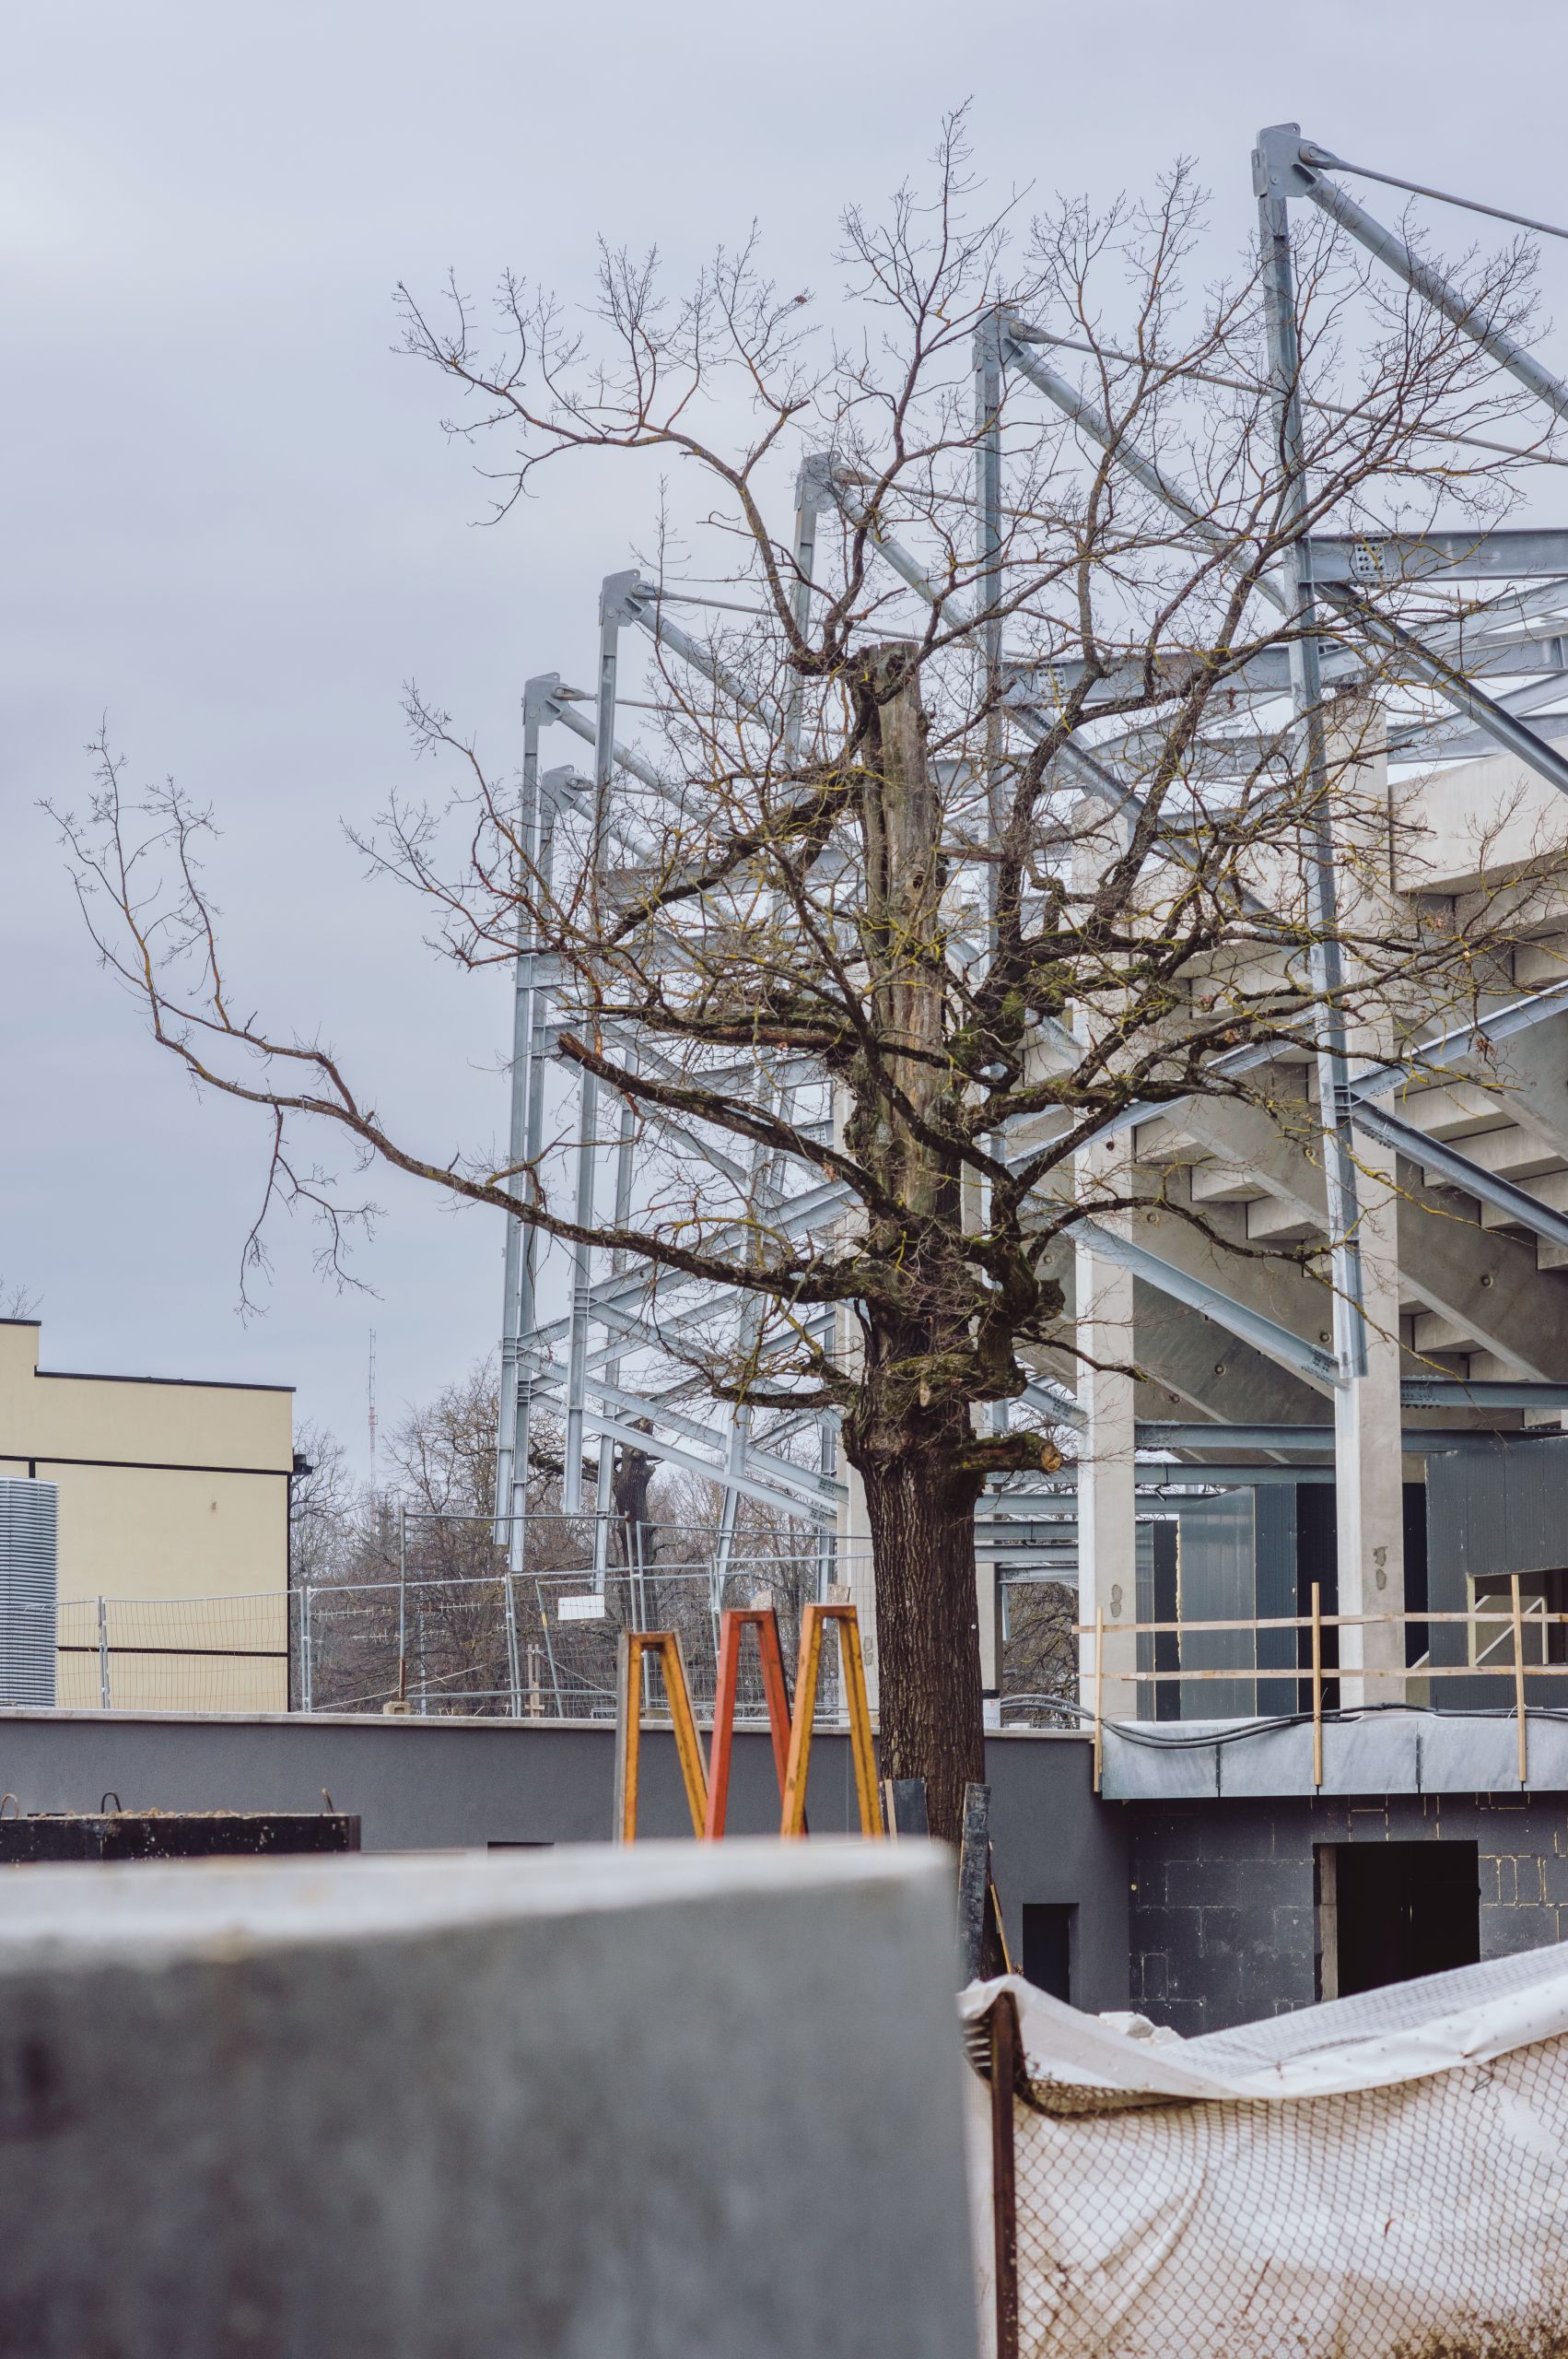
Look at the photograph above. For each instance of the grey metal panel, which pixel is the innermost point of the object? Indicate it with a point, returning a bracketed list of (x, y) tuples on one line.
[(29, 1614), (1143, 1566), (1380, 1755), (1489, 1511), (1217, 1584), (1157, 1771), (1274, 1543), (1498, 1511), (1271, 1761), (1465, 1755)]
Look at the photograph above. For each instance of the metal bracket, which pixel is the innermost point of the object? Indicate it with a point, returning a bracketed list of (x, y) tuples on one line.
[(1277, 168)]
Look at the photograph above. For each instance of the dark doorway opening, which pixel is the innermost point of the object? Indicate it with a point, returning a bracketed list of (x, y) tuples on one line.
[(1418, 1635), (1317, 1559), (1165, 1550), (1048, 1946), (1389, 1912)]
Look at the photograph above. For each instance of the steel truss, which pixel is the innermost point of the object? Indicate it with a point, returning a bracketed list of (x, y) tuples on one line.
[(590, 1364)]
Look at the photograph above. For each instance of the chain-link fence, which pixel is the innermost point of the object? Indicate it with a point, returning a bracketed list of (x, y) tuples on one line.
[(444, 1624)]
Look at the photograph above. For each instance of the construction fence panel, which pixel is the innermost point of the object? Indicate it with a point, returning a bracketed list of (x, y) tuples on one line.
[(176, 1654), (538, 1645)]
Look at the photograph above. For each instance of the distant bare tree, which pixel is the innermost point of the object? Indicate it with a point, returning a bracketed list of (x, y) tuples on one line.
[(1040, 1649), (324, 1509)]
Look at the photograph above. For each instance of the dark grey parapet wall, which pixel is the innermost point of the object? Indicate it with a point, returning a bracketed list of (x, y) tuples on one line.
[(1224, 1910), (437, 1784)]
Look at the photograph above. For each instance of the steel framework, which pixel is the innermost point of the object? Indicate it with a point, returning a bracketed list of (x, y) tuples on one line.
[(593, 1361)]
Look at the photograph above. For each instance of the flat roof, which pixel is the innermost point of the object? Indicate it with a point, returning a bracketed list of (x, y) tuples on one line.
[(203, 1383)]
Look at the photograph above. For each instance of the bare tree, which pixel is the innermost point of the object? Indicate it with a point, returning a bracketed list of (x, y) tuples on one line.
[(1040, 1650), (895, 919), (323, 1508)]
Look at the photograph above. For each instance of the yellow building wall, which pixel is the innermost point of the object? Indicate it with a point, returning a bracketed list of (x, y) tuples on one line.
[(174, 1512)]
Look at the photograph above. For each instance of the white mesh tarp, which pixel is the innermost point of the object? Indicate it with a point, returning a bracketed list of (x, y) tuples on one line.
[(1384, 2174)]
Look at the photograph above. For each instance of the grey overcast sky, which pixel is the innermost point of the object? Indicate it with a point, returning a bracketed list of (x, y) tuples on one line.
[(232, 525)]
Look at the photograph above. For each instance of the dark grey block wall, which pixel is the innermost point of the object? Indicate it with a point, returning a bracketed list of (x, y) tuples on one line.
[(1054, 1841), (437, 1784), (1223, 1920)]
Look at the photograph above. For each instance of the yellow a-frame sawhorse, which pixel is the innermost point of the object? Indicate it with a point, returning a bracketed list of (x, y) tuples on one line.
[(666, 1645), (815, 1620)]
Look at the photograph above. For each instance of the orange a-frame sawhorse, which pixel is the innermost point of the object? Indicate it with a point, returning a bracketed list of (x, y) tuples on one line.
[(732, 1622)]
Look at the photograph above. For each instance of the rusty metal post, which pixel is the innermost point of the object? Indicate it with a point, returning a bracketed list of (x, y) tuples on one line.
[(1002, 2024)]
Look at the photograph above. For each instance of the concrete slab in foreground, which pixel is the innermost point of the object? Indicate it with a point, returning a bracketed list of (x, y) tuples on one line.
[(686, 2102)]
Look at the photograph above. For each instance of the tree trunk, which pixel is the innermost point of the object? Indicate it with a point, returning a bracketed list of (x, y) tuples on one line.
[(907, 1430), (629, 1487), (921, 1507)]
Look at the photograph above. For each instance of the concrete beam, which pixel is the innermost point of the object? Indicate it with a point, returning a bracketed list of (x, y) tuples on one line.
[(1187, 1361), (1485, 1282), (1532, 1066)]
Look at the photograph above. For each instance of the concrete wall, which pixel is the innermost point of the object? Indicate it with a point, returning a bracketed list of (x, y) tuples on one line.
[(168, 1491), (1223, 1909), (679, 2104), (438, 1783)]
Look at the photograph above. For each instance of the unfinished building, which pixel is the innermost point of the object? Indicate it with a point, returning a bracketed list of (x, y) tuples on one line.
[(1295, 1515)]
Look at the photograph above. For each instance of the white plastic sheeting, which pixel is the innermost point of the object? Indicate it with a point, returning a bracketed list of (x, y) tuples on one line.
[(1383, 2175)]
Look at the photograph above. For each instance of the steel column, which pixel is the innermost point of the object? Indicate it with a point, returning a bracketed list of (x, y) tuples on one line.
[(1307, 686), (611, 607)]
